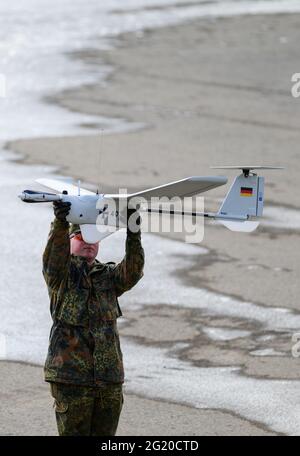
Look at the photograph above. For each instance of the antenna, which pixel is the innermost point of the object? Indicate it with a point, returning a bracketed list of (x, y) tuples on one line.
[(79, 187)]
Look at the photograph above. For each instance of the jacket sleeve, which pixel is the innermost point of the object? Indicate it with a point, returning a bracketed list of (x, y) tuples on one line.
[(129, 271), (56, 256)]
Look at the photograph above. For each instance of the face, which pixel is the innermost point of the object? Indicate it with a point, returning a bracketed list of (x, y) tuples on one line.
[(81, 248)]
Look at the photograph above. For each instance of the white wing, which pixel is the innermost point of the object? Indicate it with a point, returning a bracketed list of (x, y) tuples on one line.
[(184, 187), (60, 186)]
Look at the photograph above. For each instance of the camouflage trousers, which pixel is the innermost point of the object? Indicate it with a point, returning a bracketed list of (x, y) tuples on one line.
[(87, 411)]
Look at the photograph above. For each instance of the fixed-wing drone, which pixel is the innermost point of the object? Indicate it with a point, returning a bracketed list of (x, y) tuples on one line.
[(97, 213)]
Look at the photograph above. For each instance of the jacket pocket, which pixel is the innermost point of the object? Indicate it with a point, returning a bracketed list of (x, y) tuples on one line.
[(73, 308), (107, 354)]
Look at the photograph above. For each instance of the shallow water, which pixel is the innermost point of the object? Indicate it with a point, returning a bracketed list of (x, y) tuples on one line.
[(37, 37), (152, 372)]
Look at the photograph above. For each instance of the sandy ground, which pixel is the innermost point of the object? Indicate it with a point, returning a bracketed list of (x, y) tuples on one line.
[(207, 93), (26, 409)]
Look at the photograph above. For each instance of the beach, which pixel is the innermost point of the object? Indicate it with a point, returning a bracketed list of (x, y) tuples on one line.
[(214, 91), (32, 412), (197, 113)]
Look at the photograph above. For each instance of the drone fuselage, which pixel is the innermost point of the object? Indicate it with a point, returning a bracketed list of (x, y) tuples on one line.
[(85, 209), (92, 210)]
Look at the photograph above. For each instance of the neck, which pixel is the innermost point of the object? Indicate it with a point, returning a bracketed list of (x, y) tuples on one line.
[(90, 261)]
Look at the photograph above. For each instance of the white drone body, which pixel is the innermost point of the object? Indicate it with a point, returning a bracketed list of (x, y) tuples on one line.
[(99, 215)]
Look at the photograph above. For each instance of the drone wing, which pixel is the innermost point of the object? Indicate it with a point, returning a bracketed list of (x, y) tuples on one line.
[(184, 187), (61, 186)]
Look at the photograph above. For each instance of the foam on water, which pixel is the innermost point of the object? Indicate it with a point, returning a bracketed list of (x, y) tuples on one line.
[(281, 217), (267, 352), (36, 36), (157, 374), (224, 333)]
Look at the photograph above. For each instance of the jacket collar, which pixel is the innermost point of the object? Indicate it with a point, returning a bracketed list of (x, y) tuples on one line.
[(81, 262)]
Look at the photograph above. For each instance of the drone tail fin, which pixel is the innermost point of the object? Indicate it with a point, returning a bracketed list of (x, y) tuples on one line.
[(245, 198), (246, 227)]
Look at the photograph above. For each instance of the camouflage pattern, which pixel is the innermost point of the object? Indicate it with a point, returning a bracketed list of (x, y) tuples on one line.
[(74, 229), (84, 346), (86, 411)]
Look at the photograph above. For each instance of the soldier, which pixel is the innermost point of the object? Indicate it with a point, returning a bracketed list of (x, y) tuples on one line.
[(84, 363)]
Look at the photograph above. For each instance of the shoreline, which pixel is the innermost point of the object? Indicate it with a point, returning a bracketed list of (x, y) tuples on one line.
[(177, 124), (170, 164), (140, 415), (80, 100)]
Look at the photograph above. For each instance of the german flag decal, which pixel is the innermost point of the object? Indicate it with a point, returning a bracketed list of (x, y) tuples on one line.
[(246, 191)]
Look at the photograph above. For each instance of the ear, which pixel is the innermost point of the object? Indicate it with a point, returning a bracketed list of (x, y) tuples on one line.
[(72, 241)]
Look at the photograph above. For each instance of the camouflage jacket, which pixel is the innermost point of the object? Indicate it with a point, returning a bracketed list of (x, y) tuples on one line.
[(84, 346)]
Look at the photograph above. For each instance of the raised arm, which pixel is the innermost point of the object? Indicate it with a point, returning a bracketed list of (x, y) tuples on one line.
[(130, 270), (57, 252)]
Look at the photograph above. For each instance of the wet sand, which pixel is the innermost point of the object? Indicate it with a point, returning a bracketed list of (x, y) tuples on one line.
[(26, 409), (209, 92)]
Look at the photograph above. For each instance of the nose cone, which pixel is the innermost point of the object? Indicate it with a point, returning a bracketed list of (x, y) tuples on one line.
[(22, 196)]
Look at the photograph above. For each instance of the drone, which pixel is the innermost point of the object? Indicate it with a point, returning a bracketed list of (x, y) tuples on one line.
[(98, 213)]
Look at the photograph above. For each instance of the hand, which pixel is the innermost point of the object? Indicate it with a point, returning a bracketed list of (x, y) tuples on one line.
[(61, 210), (133, 220)]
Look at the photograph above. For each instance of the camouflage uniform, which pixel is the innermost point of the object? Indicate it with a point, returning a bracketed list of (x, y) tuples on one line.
[(84, 358), (87, 411)]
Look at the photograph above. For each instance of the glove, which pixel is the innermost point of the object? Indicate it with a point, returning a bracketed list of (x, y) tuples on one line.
[(133, 221), (61, 210)]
